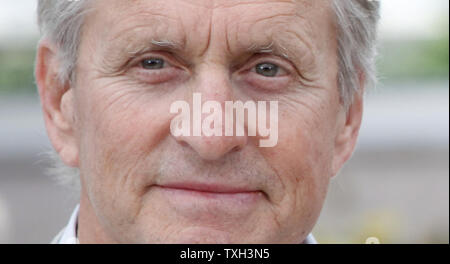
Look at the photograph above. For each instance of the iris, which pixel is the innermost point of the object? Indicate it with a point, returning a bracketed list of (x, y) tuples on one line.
[(153, 64), (267, 69)]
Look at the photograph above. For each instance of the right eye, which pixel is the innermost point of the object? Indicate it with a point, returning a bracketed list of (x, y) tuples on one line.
[(156, 69), (153, 64)]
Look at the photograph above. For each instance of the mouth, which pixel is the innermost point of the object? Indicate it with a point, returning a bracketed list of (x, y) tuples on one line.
[(208, 203), (208, 188), (210, 191)]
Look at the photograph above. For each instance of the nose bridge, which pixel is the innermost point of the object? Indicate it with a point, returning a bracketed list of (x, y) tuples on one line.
[(212, 83)]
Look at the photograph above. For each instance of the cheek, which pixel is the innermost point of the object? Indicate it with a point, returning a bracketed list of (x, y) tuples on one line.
[(120, 131), (302, 160), (306, 136)]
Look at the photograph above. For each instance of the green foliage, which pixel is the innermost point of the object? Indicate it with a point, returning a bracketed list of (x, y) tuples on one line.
[(416, 59), (424, 59), (16, 71)]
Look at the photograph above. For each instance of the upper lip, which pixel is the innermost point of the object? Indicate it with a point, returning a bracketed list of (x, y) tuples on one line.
[(208, 187)]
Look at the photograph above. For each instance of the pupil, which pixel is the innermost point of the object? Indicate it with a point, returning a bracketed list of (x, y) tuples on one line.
[(267, 69), (153, 64)]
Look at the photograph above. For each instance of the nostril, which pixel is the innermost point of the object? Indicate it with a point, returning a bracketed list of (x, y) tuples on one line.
[(184, 144), (236, 149)]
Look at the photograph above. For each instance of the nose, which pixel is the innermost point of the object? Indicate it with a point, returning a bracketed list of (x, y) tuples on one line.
[(212, 84)]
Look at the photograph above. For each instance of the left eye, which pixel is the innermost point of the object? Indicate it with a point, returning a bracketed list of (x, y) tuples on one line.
[(267, 69), (153, 64)]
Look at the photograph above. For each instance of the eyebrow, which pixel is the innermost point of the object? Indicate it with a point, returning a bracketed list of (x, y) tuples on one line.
[(161, 44), (271, 48)]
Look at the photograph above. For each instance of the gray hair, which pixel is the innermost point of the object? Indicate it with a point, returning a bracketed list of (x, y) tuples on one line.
[(61, 21)]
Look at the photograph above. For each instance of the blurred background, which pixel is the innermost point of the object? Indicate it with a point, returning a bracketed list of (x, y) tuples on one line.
[(395, 188)]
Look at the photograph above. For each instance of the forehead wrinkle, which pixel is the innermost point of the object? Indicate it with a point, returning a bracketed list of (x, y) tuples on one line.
[(273, 40), (147, 24), (239, 3), (128, 19), (263, 25), (284, 9), (135, 39)]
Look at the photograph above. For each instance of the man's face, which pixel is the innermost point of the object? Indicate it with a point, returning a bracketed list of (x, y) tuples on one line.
[(146, 186)]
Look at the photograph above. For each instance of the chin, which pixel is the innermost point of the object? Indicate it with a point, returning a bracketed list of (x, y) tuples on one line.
[(205, 235)]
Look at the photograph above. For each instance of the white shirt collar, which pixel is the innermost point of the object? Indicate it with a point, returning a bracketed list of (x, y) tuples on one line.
[(310, 240), (69, 234)]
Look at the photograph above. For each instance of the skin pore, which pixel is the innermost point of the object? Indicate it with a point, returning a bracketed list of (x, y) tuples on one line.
[(139, 183)]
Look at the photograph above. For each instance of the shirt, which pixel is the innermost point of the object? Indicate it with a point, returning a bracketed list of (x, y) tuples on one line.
[(69, 234)]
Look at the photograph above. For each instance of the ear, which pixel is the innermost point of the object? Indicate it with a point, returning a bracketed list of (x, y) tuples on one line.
[(348, 125), (57, 100)]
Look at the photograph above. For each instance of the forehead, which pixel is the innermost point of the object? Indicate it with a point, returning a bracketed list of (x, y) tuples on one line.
[(189, 22)]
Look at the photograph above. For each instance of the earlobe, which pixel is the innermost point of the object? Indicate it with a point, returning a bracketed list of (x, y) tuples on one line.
[(57, 103)]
